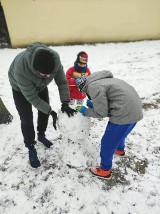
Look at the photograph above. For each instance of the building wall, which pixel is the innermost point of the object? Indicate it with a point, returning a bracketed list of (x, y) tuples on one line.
[(81, 21)]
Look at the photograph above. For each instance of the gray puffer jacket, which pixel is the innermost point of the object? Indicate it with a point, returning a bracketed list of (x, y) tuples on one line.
[(113, 98), (24, 78)]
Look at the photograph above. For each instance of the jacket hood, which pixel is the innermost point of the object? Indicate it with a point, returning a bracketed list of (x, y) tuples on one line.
[(33, 49), (98, 75)]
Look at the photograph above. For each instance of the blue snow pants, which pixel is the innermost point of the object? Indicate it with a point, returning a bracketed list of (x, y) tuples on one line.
[(113, 139)]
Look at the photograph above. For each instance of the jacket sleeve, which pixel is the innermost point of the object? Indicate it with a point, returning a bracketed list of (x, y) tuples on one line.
[(70, 78), (30, 93), (100, 104), (62, 84)]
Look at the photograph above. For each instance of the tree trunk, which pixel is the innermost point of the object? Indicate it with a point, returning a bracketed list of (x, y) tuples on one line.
[(5, 116)]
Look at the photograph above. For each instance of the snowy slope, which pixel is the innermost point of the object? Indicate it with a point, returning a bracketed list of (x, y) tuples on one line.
[(63, 183)]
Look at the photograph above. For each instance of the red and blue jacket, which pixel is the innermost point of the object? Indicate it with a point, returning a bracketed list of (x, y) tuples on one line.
[(72, 74)]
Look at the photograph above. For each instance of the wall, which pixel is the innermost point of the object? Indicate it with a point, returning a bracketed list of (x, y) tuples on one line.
[(81, 21)]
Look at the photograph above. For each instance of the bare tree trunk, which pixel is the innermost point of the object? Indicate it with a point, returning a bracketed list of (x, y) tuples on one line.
[(5, 116)]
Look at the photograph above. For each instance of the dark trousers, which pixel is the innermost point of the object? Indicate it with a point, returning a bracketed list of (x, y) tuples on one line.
[(24, 109)]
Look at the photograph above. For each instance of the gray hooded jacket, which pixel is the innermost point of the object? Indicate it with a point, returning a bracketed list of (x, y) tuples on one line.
[(24, 78), (113, 98)]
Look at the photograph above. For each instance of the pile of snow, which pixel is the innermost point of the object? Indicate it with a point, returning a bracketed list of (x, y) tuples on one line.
[(74, 131), (75, 128)]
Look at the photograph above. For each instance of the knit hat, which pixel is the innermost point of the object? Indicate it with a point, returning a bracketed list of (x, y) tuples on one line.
[(44, 62), (81, 81), (82, 57)]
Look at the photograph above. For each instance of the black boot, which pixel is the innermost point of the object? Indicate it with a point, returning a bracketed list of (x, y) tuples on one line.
[(42, 138), (34, 161)]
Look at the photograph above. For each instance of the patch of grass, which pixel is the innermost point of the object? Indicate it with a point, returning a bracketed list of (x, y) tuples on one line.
[(117, 179), (147, 106), (5, 203), (140, 166), (156, 150), (137, 165), (154, 104), (158, 101), (2, 168)]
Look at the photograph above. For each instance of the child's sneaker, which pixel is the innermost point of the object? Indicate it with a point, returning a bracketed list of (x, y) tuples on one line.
[(99, 172), (80, 102), (72, 102), (121, 153), (42, 138), (34, 161)]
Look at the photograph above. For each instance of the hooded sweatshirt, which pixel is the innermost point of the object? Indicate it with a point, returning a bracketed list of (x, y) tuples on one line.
[(113, 98), (24, 78)]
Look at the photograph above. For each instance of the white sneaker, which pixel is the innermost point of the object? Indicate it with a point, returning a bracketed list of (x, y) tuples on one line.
[(79, 102)]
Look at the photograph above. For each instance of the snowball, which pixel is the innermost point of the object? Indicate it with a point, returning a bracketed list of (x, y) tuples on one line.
[(76, 127)]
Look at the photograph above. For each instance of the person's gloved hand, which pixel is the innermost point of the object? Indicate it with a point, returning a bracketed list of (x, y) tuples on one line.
[(65, 108), (89, 103), (81, 109), (54, 116)]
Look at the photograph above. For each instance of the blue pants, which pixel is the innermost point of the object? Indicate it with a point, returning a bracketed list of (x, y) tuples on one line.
[(113, 139)]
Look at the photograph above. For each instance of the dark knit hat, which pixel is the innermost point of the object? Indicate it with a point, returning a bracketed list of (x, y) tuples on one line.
[(82, 57), (44, 62)]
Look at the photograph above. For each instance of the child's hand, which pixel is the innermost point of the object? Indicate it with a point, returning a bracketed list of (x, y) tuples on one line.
[(81, 109)]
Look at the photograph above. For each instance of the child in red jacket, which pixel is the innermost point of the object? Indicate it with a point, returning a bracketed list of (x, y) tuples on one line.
[(78, 70)]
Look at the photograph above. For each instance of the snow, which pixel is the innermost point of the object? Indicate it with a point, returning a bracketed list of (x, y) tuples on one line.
[(74, 131), (63, 183), (73, 128)]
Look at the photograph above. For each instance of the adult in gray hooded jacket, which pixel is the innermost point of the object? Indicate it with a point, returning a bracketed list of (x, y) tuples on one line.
[(116, 99), (29, 74)]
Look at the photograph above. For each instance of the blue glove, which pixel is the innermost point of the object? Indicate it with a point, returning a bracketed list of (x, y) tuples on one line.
[(89, 103), (81, 109), (77, 81)]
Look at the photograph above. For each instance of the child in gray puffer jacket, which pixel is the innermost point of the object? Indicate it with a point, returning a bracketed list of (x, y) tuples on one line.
[(116, 99)]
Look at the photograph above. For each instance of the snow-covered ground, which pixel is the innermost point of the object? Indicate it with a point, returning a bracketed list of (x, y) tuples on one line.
[(63, 183)]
